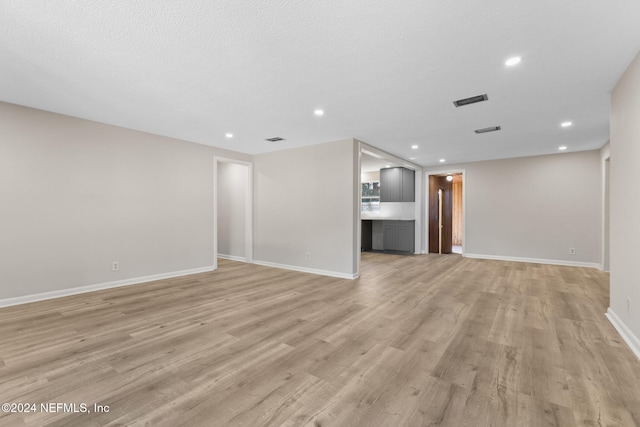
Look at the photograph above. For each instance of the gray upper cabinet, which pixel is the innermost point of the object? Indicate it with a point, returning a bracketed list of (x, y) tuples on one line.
[(397, 185), (408, 185), (390, 183)]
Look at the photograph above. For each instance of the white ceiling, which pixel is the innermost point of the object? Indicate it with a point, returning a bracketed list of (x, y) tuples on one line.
[(373, 164), (385, 72)]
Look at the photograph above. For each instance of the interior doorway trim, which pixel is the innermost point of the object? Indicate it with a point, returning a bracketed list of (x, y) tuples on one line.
[(364, 148), (606, 189), (248, 232), (464, 205)]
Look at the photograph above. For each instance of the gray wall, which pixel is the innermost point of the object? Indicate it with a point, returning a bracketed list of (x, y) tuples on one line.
[(232, 189), (77, 195), (305, 201), (625, 203), (534, 207)]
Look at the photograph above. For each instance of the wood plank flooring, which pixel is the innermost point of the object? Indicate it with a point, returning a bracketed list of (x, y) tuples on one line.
[(416, 341)]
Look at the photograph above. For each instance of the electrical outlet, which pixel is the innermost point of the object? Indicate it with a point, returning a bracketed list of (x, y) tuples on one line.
[(115, 266), (572, 251), (308, 256)]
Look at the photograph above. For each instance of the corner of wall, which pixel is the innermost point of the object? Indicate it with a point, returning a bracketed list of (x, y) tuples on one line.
[(627, 335), (625, 210)]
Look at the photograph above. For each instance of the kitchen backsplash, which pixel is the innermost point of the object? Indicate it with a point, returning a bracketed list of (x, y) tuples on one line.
[(394, 210)]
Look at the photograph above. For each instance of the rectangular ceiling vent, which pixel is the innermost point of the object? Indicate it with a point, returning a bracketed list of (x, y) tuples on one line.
[(472, 100), (489, 129), (274, 139)]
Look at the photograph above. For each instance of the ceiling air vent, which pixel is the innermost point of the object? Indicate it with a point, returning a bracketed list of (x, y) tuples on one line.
[(472, 100), (489, 129), (274, 139)]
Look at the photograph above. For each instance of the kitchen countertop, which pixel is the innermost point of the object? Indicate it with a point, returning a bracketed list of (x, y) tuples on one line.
[(380, 218)]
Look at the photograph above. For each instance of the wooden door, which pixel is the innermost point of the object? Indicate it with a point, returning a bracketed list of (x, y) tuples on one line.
[(447, 214), (440, 183), (433, 214)]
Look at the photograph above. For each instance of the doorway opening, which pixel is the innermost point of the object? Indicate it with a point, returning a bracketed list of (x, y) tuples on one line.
[(445, 213), (232, 210), (388, 222)]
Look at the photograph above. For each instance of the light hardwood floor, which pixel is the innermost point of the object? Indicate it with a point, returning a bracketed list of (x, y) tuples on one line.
[(416, 341)]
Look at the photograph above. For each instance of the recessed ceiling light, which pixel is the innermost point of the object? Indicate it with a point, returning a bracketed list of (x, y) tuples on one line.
[(414, 147), (449, 178), (566, 124), (513, 61), (387, 166), (228, 135), (442, 160), (319, 112), (412, 158), (562, 148)]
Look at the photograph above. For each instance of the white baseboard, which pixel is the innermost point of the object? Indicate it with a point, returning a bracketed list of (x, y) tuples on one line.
[(629, 337), (536, 260), (308, 270), (97, 287), (232, 257)]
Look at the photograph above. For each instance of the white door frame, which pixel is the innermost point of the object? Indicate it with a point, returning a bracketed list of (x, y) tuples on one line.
[(606, 193), (248, 245)]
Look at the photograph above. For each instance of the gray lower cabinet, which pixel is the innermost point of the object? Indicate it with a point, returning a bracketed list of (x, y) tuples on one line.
[(399, 236)]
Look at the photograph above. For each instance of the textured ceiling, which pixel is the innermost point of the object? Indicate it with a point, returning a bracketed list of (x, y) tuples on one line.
[(385, 72)]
